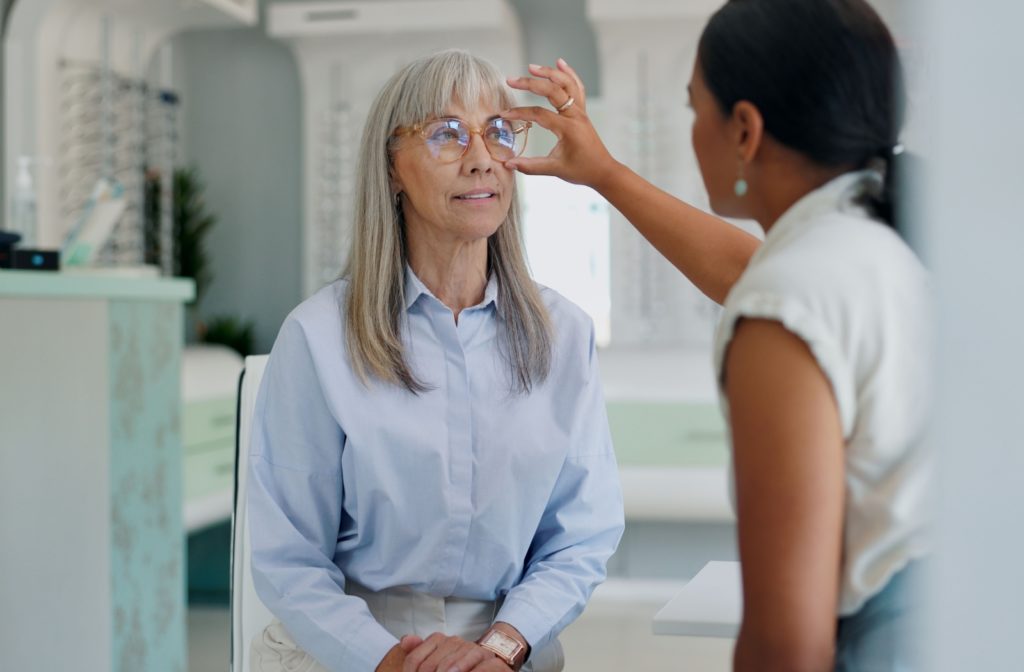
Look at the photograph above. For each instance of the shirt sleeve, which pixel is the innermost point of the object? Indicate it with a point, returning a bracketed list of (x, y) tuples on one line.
[(295, 508), (798, 315), (579, 530)]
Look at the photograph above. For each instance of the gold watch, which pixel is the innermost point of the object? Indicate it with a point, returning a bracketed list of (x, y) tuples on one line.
[(508, 648)]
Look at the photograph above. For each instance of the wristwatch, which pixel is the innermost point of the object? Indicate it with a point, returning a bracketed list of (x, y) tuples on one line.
[(509, 649)]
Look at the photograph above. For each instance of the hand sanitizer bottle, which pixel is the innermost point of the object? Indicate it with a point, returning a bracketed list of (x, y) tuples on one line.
[(23, 203)]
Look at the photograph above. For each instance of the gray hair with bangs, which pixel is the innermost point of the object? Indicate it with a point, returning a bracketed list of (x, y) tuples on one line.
[(377, 259)]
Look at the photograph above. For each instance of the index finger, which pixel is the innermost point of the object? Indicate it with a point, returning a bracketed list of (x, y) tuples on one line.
[(539, 115)]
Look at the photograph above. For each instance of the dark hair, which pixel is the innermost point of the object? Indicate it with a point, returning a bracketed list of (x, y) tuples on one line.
[(825, 75)]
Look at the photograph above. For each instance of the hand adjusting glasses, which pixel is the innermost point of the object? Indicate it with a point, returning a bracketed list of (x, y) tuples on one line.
[(448, 138)]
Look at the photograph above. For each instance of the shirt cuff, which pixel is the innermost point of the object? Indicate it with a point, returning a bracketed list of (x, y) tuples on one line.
[(366, 647), (532, 623)]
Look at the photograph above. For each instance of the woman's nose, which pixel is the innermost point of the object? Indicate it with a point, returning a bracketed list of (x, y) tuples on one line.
[(477, 158)]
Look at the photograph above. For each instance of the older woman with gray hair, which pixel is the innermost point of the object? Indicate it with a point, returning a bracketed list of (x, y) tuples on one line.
[(432, 485)]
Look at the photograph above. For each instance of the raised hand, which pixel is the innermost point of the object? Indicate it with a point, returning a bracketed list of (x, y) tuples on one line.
[(579, 156)]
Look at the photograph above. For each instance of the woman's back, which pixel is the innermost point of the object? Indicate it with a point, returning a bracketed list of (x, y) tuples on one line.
[(853, 291)]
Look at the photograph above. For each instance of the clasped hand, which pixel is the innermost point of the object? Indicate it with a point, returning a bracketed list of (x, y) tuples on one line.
[(440, 653)]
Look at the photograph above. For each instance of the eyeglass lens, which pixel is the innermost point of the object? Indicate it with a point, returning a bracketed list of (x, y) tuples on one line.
[(448, 139)]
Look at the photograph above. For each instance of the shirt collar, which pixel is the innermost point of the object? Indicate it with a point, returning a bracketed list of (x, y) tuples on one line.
[(834, 196), (414, 289)]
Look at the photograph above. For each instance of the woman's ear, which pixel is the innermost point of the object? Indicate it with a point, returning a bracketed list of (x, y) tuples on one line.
[(396, 184), (749, 128)]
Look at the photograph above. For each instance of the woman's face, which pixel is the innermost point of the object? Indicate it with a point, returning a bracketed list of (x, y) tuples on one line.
[(461, 201), (715, 144)]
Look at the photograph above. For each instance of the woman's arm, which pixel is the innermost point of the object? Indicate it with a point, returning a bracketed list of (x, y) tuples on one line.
[(581, 525), (709, 251), (295, 507), (789, 465)]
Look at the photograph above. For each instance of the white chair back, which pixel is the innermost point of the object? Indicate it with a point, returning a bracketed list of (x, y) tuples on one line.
[(249, 616)]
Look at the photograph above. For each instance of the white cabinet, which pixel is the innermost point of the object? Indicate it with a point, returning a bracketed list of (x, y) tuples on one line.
[(209, 398)]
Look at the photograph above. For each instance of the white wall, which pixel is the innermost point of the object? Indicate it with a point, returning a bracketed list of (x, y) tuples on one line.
[(242, 127), (974, 235)]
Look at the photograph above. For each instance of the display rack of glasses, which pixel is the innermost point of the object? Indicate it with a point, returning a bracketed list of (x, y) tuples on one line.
[(334, 180), (163, 147), (115, 127), (651, 303), (642, 295)]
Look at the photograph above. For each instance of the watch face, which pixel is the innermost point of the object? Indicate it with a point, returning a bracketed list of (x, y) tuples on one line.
[(503, 643)]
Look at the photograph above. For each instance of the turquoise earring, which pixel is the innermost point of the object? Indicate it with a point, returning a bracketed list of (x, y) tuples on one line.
[(741, 186)]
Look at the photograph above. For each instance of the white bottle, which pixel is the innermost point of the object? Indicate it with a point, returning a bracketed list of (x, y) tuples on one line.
[(23, 203)]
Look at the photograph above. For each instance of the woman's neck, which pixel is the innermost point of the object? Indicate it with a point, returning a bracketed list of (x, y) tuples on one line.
[(783, 179), (454, 271)]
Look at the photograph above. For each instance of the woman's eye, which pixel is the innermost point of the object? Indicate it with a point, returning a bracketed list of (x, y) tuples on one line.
[(445, 135), (501, 134)]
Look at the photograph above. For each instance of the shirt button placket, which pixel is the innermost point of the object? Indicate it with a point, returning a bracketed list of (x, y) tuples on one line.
[(460, 433)]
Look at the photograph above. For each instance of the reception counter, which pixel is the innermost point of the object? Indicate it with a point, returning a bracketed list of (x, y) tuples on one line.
[(91, 472)]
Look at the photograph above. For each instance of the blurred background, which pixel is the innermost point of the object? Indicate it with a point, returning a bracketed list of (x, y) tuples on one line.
[(214, 141)]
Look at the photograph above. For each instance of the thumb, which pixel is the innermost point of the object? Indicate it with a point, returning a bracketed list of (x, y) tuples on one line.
[(410, 642)]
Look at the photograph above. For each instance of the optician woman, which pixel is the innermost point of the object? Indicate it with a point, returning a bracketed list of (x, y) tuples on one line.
[(821, 353)]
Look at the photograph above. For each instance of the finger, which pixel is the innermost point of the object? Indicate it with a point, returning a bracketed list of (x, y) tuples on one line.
[(456, 660), (531, 84), (563, 80), (410, 642), (539, 165), (545, 88), (492, 665), (540, 115), (450, 647), (422, 652), (567, 69), (465, 659)]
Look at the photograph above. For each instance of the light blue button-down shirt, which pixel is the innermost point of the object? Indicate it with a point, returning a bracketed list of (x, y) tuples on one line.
[(466, 490)]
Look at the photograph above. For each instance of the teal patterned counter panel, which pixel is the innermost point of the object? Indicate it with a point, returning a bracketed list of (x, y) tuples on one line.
[(147, 549)]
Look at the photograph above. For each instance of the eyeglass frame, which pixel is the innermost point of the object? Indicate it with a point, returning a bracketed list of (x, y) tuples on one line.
[(403, 131)]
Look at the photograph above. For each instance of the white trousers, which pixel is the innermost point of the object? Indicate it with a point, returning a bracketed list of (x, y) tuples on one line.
[(401, 611)]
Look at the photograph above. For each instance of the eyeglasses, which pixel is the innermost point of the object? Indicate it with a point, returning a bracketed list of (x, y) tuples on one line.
[(448, 138)]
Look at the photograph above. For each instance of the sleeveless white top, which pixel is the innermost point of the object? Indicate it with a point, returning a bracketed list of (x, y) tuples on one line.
[(851, 289)]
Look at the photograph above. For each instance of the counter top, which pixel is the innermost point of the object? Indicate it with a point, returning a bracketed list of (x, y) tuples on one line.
[(710, 605), (99, 284)]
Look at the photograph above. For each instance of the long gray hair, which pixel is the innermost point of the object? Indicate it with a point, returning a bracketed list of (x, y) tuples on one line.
[(422, 90)]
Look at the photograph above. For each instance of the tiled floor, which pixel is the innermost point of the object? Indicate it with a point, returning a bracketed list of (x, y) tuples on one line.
[(209, 639), (613, 635)]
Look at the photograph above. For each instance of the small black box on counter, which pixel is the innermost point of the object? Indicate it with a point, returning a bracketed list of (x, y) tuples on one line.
[(35, 260), (8, 239)]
